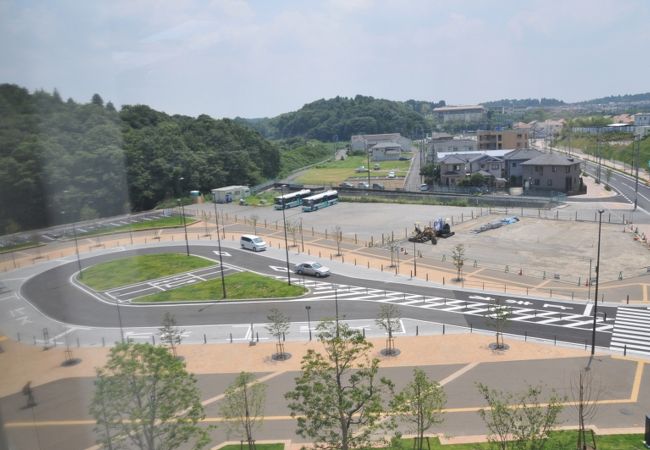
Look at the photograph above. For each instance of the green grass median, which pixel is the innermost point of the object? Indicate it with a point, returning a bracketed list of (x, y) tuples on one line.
[(558, 440), (121, 272), (242, 285)]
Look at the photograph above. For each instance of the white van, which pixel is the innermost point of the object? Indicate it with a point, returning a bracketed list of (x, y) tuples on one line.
[(252, 242)]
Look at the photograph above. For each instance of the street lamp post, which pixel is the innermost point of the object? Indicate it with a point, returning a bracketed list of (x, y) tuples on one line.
[(637, 141), (593, 330), (415, 264), (76, 247), (119, 319), (308, 308), (286, 242), (187, 245), (368, 168), (223, 281)]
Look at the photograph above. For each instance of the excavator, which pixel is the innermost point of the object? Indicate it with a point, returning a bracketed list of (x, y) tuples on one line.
[(440, 229)]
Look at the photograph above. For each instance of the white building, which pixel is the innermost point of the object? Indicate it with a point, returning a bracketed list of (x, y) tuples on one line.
[(228, 194), (469, 113), (642, 119)]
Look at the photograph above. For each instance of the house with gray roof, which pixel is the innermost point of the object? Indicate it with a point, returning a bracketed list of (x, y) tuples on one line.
[(514, 171), (455, 167), (553, 172)]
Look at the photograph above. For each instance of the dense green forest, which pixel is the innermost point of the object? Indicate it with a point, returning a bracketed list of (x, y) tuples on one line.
[(340, 117), (62, 161), (627, 98), (524, 103)]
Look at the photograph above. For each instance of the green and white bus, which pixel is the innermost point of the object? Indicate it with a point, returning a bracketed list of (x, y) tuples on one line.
[(318, 201), (291, 200)]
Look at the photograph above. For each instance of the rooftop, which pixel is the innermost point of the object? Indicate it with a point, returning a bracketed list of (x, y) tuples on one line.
[(552, 159)]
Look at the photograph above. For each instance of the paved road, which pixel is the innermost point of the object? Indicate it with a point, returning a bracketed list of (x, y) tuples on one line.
[(625, 185), (56, 295)]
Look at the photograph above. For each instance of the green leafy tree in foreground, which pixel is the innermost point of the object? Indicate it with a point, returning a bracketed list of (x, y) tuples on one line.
[(243, 406), (519, 421), (420, 405), (145, 399), (337, 400)]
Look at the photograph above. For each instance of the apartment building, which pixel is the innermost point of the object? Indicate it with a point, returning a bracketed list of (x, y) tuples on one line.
[(498, 140)]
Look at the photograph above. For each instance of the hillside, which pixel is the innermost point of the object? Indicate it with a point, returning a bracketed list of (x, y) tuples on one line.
[(63, 161), (341, 117)]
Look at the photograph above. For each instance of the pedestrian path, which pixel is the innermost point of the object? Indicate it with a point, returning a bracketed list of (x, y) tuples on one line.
[(632, 330), (477, 305)]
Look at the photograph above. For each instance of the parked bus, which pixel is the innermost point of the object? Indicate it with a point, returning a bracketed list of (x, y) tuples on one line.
[(319, 201), (291, 200)]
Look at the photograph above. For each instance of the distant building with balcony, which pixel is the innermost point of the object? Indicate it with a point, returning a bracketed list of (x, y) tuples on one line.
[(642, 119), (498, 140), (449, 146), (466, 114)]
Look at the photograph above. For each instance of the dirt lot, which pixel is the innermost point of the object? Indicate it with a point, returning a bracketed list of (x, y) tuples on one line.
[(561, 247)]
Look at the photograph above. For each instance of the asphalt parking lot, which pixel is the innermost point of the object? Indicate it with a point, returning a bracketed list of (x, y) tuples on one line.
[(536, 244)]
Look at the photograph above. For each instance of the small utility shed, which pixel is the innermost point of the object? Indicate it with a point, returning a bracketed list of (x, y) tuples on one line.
[(228, 194)]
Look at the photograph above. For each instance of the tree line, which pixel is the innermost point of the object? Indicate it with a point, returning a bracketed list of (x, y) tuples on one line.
[(63, 161)]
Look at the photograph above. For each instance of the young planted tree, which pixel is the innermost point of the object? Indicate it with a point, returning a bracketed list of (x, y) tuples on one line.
[(458, 256), (145, 399), (585, 396), (519, 421), (420, 405), (389, 320), (338, 236), (278, 327), (497, 317), (170, 334), (254, 219), (337, 400), (243, 407), (292, 228)]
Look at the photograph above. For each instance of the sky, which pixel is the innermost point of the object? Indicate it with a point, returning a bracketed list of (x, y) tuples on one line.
[(261, 58)]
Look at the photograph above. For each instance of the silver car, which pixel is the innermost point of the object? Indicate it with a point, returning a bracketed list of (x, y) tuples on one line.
[(312, 268)]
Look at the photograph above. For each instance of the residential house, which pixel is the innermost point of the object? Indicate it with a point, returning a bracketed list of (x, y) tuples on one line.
[(366, 141), (489, 166), (497, 140), (455, 167), (467, 114), (385, 151), (514, 171), (552, 172)]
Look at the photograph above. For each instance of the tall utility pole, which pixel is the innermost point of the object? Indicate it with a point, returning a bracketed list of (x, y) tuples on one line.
[(637, 142), (223, 280), (593, 330), (368, 168), (286, 241), (187, 245)]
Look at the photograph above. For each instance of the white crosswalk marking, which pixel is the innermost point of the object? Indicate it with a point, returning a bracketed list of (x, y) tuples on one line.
[(321, 290), (632, 330)]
